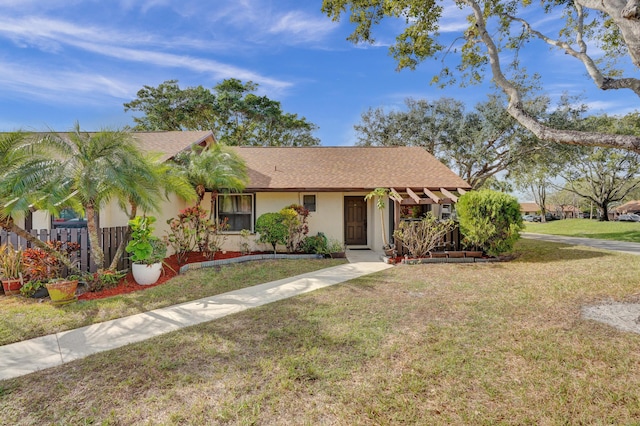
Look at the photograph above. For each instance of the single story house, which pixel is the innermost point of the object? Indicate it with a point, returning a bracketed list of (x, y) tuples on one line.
[(560, 212), (628, 207), (329, 181), (529, 208)]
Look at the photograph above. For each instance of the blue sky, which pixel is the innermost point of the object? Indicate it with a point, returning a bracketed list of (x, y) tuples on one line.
[(63, 61)]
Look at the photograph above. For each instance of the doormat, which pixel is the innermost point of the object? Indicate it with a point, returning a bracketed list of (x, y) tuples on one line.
[(363, 248)]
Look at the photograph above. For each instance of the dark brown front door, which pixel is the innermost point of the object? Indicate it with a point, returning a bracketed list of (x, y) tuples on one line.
[(355, 221)]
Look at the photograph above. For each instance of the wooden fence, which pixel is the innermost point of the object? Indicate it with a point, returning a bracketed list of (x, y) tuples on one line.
[(109, 238)]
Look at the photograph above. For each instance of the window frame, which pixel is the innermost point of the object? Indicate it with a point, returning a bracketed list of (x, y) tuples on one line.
[(252, 214), (315, 202)]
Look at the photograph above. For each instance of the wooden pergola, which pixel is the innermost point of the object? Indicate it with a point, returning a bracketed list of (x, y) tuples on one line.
[(433, 196)]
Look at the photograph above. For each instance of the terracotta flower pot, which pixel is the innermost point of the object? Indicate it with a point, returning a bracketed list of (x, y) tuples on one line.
[(12, 287), (62, 292), (469, 253)]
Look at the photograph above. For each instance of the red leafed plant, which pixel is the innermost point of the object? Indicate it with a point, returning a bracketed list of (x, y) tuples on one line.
[(41, 265)]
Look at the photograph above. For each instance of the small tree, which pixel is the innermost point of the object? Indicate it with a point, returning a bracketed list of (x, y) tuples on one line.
[(272, 229), (489, 220), (380, 194)]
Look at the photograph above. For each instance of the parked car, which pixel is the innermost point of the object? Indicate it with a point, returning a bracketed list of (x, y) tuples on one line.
[(531, 218), (629, 217)]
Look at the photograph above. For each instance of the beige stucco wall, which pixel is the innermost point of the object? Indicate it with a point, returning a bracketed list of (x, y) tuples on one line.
[(41, 220), (111, 215), (328, 217)]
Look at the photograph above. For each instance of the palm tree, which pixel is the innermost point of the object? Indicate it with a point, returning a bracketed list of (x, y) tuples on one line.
[(216, 168), (108, 165), (166, 176), (82, 171), (25, 169)]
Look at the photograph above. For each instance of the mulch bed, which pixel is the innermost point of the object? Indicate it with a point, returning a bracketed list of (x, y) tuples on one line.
[(171, 268)]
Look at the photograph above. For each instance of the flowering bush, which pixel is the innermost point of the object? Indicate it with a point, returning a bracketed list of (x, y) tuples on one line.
[(295, 218), (193, 229)]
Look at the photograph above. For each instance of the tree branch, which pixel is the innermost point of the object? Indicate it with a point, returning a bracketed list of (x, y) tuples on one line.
[(602, 82), (516, 110)]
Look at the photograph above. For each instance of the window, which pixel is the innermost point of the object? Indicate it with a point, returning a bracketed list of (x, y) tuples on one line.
[(68, 218), (238, 210), (309, 202)]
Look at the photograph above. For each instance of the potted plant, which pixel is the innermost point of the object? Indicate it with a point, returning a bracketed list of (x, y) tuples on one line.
[(63, 290), (335, 249), (147, 252), (42, 269), (11, 268), (35, 289)]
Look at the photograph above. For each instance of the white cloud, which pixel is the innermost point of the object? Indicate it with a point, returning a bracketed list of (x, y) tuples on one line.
[(62, 86), (302, 27), (216, 69), (52, 35), (454, 19)]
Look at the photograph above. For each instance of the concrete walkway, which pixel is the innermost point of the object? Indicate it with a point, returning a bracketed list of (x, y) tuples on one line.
[(621, 246), (26, 357)]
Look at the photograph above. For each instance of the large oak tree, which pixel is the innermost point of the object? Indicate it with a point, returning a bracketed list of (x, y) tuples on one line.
[(477, 144), (232, 111), (498, 26)]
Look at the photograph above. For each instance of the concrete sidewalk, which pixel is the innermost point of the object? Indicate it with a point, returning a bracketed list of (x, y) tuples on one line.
[(25, 357), (621, 246)]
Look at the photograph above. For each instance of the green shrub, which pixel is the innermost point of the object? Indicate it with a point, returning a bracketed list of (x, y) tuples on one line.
[(296, 219), (489, 221), (272, 229), (316, 244)]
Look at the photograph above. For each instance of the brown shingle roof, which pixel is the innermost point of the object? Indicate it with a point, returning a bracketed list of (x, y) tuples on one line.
[(167, 143), (346, 168), (529, 207), (170, 143), (630, 206)]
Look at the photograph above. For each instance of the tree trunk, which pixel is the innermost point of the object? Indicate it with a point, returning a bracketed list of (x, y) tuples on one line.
[(96, 251), (201, 191), (604, 208), (214, 199)]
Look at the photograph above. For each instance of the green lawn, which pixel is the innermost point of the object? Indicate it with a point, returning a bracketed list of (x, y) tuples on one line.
[(438, 344), (617, 231), (22, 319)]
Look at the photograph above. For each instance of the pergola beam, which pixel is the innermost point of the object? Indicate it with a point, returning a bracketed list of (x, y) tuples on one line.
[(393, 194), (414, 196), (449, 195), (431, 195)]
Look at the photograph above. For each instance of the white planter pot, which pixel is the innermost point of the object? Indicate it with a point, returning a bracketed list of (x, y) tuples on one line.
[(146, 274)]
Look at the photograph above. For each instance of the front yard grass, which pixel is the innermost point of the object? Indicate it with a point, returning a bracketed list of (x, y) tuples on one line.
[(22, 319), (438, 344), (612, 230)]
